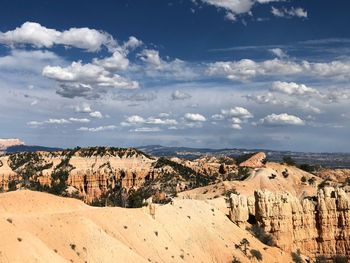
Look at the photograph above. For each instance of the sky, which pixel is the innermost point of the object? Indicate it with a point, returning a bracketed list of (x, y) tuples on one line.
[(197, 73)]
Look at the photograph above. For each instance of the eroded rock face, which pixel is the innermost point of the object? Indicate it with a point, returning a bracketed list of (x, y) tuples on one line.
[(318, 225), (255, 161)]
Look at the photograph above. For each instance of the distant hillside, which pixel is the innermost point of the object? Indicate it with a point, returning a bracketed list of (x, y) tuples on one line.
[(332, 160), (30, 148)]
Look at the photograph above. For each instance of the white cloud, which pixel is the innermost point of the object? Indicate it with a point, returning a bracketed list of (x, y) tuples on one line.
[(88, 74), (288, 13), (247, 69), (238, 112), (146, 129), (49, 121), (232, 7), (236, 120), (151, 56), (235, 7), (39, 36), (180, 95), (83, 108), (132, 43), (96, 114), (80, 120), (218, 117), (195, 117), (117, 61), (278, 52), (98, 129), (292, 88), (281, 119), (137, 120)]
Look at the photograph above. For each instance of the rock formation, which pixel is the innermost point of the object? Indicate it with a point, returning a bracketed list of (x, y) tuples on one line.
[(255, 161), (318, 225)]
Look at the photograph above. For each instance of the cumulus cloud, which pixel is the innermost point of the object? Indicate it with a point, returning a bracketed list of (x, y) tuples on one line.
[(86, 80), (96, 114), (195, 117), (151, 57), (80, 120), (88, 74), (39, 36), (281, 119), (98, 129), (233, 8), (118, 61), (238, 112), (278, 52), (137, 120), (83, 108), (132, 43), (180, 95), (292, 88), (246, 69), (288, 13)]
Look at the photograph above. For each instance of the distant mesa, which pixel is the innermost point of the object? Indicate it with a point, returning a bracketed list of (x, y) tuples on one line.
[(6, 143)]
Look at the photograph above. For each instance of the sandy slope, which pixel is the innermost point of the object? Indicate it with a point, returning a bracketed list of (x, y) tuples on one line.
[(260, 180), (38, 227)]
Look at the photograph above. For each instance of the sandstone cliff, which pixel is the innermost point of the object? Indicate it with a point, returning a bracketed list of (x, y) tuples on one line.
[(317, 225)]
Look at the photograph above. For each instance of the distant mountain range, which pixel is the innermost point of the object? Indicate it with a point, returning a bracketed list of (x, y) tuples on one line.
[(334, 160), (30, 148)]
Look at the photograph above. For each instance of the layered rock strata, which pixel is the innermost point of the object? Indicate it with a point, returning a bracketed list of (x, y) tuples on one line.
[(318, 225)]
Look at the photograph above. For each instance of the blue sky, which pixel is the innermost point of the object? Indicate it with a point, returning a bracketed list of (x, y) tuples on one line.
[(200, 73)]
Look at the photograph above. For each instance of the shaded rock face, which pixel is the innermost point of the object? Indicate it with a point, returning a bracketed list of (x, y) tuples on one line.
[(255, 161), (319, 225)]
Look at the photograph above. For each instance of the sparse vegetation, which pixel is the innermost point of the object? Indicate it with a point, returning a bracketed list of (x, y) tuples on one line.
[(243, 246), (288, 160), (264, 237), (296, 257), (72, 246), (257, 254), (340, 259), (320, 259), (235, 260), (303, 179)]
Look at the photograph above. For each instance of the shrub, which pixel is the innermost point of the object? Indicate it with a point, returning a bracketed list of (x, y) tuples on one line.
[(235, 260), (243, 245), (320, 259), (257, 254), (296, 257), (264, 237), (340, 259), (303, 179), (307, 167), (285, 173), (72, 246), (243, 173), (288, 160)]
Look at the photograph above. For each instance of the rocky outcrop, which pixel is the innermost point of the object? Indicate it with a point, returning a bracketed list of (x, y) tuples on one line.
[(97, 172), (318, 225), (255, 161)]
